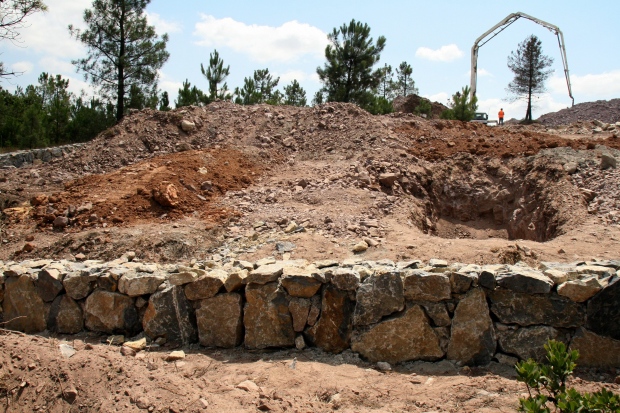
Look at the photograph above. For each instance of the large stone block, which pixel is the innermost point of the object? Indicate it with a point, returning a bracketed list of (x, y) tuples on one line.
[(266, 317), (66, 316), (299, 308), (528, 342), (345, 279), (595, 350), (379, 295), (580, 290), (111, 313), (206, 286), (333, 330), (604, 311), (530, 309), (423, 286), (220, 321), (407, 336), (265, 274), (299, 282), (49, 284), (524, 280), (171, 316), (78, 284), (22, 306), (135, 284), (472, 339)]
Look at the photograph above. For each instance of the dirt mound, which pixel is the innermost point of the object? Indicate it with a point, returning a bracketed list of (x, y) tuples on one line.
[(408, 104), (607, 111)]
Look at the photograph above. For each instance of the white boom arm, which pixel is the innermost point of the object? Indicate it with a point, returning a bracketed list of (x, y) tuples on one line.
[(511, 18)]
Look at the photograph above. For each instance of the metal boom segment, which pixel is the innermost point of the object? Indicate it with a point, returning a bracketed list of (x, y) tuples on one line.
[(501, 26)]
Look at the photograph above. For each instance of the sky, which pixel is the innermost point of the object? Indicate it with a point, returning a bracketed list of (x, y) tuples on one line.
[(289, 38)]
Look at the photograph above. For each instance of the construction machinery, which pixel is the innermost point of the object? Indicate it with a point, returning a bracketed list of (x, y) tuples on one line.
[(501, 26)]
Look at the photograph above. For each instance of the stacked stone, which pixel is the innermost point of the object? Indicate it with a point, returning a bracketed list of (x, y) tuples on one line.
[(385, 311)]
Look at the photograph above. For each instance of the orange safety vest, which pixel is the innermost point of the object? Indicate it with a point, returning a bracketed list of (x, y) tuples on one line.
[(501, 114)]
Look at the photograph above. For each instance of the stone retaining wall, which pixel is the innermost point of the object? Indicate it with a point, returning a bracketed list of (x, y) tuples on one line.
[(21, 158), (384, 311)]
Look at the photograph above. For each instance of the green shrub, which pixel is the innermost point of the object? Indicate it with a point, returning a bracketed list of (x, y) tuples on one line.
[(546, 385)]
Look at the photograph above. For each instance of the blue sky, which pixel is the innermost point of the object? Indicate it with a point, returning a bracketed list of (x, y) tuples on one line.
[(289, 37)]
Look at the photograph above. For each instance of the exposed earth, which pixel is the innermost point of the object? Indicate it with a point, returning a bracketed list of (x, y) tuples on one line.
[(227, 179)]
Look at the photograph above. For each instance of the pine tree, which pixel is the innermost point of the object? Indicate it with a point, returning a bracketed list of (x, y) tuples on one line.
[(56, 105), (529, 66), (348, 74), (404, 83), (294, 94), (123, 50), (461, 107), (387, 86), (190, 95), (216, 73), (164, 102)]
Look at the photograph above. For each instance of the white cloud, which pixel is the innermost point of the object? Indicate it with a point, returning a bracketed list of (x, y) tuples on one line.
[(288, 42), (22, 67), (166, 84), (441, 97), (588, 87), (443, 54), (48, 33), (287, 77), (54, 65), (481, 73), (162, 26)]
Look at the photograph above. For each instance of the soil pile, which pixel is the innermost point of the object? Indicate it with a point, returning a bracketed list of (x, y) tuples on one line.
[(607, 111), (409, 104)]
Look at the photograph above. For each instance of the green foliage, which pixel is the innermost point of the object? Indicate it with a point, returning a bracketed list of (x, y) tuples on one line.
[(546, 383), (294, 94), (216, 73), (318, 98), (529, 66), (404, 84), (388, 89), (190, 95), (48, 114), (461, 107), (424, 108), (348, 74), (380, 106), (447, 114), (164, 102), (123, 50), (260, 88)]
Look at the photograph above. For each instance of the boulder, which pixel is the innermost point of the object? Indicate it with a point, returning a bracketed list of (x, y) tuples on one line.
[(78, 284), (166, 194), (345, 279), (332, 332), (299, 282), (220, 321), (423, 286), (528, 342), (235, 279), (388, 179), (23, 309), (407, 336), (299, 308), (378, 296), (49, 284), (185, 275), (438, 313), (524, 280), (134, 283), (461, 282), (595, 350), (65, 316), (580, 290), (188, 125), (267, 320), (111, 313), (528, 309), (170, 315), (472, 339), (265, 274), (604, 311), (206, 286)]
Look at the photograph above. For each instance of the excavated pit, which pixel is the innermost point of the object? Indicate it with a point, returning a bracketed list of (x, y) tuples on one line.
[(529, 198)]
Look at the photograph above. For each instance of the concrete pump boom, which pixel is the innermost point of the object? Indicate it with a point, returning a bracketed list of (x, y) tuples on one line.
[(511, 18)]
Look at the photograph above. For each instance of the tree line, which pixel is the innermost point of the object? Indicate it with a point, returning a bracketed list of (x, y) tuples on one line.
[(124, 55)]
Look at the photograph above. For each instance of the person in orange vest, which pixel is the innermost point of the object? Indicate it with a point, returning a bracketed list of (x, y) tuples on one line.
[(500, 115)]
